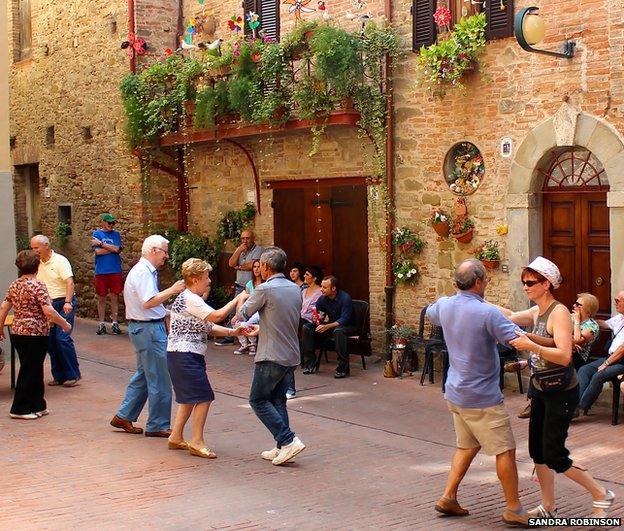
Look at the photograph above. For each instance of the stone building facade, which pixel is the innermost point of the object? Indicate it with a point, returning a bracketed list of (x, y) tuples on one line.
[(546, 106)]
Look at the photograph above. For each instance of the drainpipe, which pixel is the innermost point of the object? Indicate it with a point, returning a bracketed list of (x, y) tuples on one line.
[(131, 29), (389, 155)]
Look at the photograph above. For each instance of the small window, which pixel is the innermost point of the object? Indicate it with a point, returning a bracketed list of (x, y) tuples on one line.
[(22, 32), (65, 214), (12, 141)]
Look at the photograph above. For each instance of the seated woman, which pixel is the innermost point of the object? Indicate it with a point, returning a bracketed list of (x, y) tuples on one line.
[(297, 274), (249, 344), (313, 277), (191, 323), (586, 329)]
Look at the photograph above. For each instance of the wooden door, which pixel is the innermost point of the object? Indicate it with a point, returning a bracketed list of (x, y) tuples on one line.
[(326, 226), (576, 238)]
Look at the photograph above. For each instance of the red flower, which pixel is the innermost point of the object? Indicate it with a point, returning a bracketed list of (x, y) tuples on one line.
[(168, 52), (442, 16)]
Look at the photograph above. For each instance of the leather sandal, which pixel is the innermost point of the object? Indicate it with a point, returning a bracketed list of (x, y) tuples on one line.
[(202, 452), (182, 445)]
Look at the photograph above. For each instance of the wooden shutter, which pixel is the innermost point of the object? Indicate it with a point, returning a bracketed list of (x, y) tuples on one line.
[(423, 26), (499, 21), (269, 18), (25, 31), (248, 5)]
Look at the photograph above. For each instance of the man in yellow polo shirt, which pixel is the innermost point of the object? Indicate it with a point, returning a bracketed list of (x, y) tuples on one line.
[(56, 273)]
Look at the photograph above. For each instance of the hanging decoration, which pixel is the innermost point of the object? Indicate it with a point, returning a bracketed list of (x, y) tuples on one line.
[(323, 9), (135, 45), (464, 168), (360, 5), (253, 21), (297, 7), (236, 24)]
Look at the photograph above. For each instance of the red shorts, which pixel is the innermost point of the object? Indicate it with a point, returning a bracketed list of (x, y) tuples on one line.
[(111, 282)]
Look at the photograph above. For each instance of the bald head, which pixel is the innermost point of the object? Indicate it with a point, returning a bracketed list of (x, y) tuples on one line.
[(467, 273)]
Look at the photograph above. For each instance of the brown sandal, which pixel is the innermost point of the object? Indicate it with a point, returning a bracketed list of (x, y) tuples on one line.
[(202, 452), (182, 445)]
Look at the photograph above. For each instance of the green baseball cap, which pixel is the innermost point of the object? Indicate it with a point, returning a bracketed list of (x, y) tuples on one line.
[(109, 218)]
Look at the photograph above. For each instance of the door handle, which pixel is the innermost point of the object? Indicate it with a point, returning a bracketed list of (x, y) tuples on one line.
[(599, 281)]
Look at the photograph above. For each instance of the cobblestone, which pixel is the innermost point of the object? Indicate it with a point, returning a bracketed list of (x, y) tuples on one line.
[(378, 452)]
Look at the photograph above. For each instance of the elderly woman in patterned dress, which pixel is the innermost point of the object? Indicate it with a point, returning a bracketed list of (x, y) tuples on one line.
[(191, 322)]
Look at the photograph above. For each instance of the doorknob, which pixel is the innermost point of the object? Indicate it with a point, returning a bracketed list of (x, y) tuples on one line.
[(599, 281)]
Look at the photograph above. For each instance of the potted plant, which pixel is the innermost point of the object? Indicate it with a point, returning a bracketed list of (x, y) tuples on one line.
[(405, 271), (462, 229), (443, 65), (407, 243), (441, 222), (489, 254), (400, 334)]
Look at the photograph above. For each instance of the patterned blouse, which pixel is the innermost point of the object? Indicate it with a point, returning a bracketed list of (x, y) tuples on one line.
[(189, 332), (28, 297)]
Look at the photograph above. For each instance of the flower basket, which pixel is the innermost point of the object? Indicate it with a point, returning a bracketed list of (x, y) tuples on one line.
[(399, 342), (491, 264), (464, 237), (443, 228)]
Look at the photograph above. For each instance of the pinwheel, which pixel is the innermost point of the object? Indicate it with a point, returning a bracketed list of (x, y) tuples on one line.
[(298, 6), (135, 45), (236, 23)]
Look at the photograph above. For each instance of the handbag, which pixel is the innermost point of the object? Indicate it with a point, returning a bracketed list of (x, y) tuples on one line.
[(553, 380)]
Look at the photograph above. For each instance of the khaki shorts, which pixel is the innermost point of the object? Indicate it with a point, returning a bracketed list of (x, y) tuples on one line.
[(488, 428)]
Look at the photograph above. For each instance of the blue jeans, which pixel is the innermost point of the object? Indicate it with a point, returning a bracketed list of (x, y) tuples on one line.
[(268, 399), (151, 380), (591, 380), (61, 346)]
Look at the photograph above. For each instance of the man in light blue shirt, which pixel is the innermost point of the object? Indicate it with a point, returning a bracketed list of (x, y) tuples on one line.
[(472, 328)]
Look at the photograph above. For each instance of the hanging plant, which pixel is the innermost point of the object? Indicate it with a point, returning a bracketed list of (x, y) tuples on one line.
[(406, 242), (405, 271), (443, 65), (462, 229)]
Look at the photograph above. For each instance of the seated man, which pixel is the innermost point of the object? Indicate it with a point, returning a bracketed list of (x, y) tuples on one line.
[(593, 375), (336, 321)]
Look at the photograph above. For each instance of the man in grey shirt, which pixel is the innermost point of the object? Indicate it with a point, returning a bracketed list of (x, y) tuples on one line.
[(278, 302)]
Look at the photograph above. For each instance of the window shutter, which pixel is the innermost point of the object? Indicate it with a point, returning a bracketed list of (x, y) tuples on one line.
[(25, 32), (248, 5), (499, 21), (269, 18), (423, 26)]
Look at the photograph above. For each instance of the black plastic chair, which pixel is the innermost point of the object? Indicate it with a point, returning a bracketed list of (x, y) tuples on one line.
[(359, 343), (433, 345)]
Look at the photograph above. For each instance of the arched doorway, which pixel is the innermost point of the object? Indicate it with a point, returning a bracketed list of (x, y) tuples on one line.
[(576, 223), (567, 127)]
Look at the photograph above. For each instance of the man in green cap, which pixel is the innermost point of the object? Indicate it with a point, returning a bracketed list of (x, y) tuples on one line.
[(107, 245)]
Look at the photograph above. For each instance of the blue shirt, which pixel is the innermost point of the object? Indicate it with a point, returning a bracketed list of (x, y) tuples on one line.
[(339, 309), (472, 328), (109, 262)]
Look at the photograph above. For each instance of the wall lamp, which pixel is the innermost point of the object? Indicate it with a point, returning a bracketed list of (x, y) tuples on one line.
[(530, 29)]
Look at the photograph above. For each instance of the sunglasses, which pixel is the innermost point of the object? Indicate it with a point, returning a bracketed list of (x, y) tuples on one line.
[(578, 304), (529, 283)]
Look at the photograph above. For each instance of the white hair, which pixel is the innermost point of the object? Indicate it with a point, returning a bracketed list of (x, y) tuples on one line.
[(152, 242), (40, 238)]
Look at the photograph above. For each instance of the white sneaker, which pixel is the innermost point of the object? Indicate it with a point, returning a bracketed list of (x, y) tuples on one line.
[(269, 455), (241, 350), (290, 394), (27, 416), (42, 413), (289, 451)]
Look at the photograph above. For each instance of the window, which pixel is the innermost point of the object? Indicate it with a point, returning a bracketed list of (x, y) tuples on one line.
[(22, 33), (27, 204), (499, 15), (268, 11), (65, 216)]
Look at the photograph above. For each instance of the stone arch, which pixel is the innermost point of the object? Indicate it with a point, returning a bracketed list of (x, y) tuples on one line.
[(568, 127)]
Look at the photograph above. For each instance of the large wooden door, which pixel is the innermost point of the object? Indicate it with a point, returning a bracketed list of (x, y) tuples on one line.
[(576, 238), (326, 226)]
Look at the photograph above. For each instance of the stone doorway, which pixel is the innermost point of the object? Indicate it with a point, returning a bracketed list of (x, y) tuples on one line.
[(525, 200)]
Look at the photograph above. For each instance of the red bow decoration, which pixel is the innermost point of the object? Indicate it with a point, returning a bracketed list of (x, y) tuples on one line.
[(135, 45)]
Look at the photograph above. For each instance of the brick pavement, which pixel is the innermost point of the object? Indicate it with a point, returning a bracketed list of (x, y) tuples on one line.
[(377, 457)]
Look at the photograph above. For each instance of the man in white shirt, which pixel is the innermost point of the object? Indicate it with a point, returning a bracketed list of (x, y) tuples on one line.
[(55, 272), (145, 314), (593, 375)]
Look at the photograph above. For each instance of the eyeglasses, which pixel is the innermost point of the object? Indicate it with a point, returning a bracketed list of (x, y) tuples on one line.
[(161, 249), (529, 283), (577, 303), (617, 300)]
